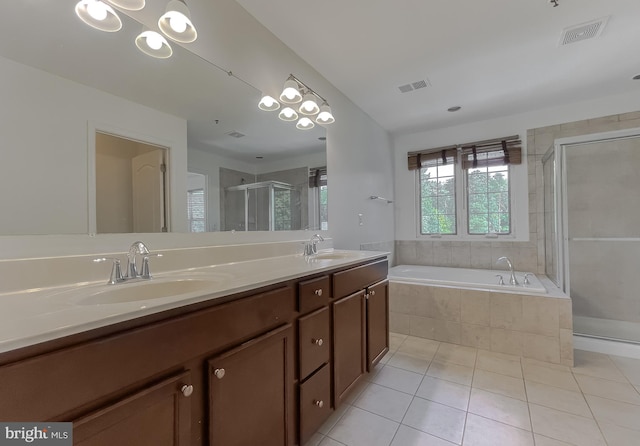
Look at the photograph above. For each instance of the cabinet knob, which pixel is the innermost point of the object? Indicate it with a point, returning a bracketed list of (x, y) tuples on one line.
[(318, 292), (318, 403), (373, 292), (318, 342), (187, 390), (219, 373)]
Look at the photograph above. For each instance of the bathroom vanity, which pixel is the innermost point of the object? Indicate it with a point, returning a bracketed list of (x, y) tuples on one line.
[(263, 365)]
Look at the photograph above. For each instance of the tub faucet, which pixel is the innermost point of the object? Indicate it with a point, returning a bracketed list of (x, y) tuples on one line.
[(512, 279), (311, 247)]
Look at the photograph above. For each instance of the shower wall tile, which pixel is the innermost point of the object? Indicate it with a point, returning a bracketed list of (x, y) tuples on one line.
[(629, 116)]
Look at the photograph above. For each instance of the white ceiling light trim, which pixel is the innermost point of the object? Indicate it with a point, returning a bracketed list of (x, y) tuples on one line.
[(325, 116), (288, 114), (305, 124), (290, 92), (154, 44), (267, 103), (176, 24), (98, 15), (309, 105), (129, 5)]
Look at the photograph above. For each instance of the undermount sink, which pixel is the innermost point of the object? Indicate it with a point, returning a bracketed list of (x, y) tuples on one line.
[(152, 289)]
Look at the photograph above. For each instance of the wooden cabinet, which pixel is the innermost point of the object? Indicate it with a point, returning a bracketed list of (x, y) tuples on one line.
[(158, 415), (377, 298), (348, 344), (249, 391), (360, 324), (265, 368)]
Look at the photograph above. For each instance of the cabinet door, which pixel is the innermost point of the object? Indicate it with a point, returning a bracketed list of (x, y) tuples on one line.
[(348, 343), (377, 323), (156, 416), (250, 391)]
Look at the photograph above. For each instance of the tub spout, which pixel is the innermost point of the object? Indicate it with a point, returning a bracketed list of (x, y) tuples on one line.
[(512, 279)]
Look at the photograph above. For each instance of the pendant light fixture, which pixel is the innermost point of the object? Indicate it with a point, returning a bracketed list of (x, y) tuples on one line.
[(288, 114), (309, 106), (176, 24), (154, 44), (98, 15), (305, 124), (267, 103), (129, 5), (325, 116), (291, 91)]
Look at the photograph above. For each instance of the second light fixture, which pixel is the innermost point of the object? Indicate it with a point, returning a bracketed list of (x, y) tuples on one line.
[(295, 91)]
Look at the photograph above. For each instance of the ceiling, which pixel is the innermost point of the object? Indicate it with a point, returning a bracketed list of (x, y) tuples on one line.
[(491, 57)]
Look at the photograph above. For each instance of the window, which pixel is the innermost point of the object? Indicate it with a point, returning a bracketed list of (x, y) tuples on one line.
[(466, 191), (196, 210), (438, 197), (282, 209)]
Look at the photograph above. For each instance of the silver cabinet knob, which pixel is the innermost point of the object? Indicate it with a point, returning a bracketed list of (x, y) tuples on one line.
[(318, 292), (187, 390), (318, 342), (373, 292), (219, 373), (318, 403)]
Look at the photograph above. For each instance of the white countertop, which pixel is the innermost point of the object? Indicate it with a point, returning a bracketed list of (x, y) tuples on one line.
[(33, 316)]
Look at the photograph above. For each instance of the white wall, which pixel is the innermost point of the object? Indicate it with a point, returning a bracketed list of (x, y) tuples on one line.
[(405, 206), (44, 125)]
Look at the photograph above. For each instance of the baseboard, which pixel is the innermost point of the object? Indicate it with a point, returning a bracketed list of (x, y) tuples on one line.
[(606, 346)]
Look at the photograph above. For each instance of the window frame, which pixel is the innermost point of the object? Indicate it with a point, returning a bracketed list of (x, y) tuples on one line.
[(518, 206)]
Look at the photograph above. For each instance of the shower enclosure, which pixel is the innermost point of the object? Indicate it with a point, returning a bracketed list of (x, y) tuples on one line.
[(592, 230), (263, 206)]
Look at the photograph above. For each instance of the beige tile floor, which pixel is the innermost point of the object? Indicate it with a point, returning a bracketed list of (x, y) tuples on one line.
[(428, 393)]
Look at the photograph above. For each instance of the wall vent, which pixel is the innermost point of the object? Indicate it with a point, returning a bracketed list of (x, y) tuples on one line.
[(414, 86), (583, 31), (235, 134)]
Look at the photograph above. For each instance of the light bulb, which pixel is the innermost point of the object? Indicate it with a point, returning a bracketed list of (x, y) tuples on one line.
[(288, 114), (178, 23), (309, 105), (97, 10), (305, 124), (154, 40)]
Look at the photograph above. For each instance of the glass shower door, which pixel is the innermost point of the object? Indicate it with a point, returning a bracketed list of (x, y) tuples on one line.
[(602, 208)]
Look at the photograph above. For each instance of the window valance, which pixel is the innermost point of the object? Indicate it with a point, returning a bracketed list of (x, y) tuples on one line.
[(490, 152)]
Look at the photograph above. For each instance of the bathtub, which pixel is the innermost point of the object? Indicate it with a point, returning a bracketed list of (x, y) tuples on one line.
[(468, 307), (475, 279)]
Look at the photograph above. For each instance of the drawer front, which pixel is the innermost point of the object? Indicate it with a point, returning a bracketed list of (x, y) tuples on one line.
[(355, 279), (314, 336), (315, 407), (313, 294)]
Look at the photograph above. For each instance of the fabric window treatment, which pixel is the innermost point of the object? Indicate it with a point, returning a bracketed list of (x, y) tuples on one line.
[(500, 151)]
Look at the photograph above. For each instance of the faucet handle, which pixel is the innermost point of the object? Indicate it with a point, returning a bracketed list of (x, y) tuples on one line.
[(116, 271), (526, 281), (145, 265), (500, 279)]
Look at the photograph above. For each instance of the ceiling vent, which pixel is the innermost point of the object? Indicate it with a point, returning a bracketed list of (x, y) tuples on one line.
[(235, 134), (583, 31), (414, 86)]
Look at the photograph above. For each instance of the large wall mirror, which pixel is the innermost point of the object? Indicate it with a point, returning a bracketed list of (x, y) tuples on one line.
[(66, 85)]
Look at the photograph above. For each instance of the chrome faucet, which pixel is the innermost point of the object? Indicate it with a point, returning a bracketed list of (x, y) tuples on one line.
[(136, 248), (311, 247), (512, 279)]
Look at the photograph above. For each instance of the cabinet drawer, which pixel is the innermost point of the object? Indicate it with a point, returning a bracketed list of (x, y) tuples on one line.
[(314, 341), (315, 406), (313, 294), (355, 279)]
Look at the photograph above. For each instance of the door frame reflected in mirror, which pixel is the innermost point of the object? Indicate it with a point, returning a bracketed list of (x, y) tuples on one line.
[(163, 207)]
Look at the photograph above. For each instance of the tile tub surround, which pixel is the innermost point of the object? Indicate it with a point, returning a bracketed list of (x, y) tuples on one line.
[(536, 327)]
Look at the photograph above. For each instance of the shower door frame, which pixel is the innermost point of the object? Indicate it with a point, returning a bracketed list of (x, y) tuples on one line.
[(563, 272)]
